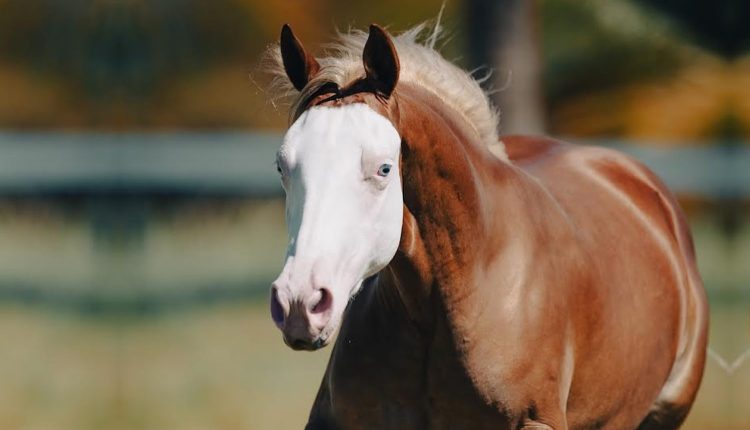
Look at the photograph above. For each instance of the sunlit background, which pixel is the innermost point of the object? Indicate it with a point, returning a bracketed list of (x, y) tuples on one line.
[(141, 221)]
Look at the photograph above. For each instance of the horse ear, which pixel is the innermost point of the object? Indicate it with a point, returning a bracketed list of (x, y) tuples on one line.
[(299, 65), (381, 60)]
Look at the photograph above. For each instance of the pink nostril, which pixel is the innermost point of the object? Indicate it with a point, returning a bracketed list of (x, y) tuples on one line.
[(277, 311), (324, 302)]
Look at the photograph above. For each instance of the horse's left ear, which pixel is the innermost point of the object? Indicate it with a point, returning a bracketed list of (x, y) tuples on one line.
[(381, 61), (299, 65)]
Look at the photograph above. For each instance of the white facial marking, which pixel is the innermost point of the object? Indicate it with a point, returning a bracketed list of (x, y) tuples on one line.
[(344, 205)]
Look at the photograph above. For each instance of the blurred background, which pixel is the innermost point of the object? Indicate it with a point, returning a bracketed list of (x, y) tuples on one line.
[(141, 221)]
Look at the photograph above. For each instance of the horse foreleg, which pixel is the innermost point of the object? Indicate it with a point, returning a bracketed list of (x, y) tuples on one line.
[(536, 425), (539, 420)]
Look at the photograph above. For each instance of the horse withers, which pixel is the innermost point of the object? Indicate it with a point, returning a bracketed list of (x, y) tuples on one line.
[(472, 281)]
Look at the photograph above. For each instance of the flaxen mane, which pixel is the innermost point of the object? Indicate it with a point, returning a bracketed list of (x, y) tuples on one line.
[(420, 63)]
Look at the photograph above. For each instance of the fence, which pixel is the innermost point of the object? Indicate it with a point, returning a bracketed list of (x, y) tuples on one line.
[(129, 258), (241, 164)]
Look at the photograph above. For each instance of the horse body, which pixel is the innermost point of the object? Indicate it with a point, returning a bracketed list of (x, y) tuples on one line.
[(556, 289)]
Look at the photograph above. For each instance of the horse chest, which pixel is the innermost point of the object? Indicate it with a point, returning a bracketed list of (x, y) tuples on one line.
[(375, 384), (398, 381), (453, 399), (373, 378)]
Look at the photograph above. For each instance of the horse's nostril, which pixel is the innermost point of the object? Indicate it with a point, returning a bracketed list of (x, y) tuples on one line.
[(277, 311), (298, 344), (324, 303)]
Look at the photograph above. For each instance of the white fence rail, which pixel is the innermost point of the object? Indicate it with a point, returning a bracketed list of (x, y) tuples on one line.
[(241, 163)]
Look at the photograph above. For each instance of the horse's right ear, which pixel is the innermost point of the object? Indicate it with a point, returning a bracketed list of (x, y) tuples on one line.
[(299, 65), (381, 61)]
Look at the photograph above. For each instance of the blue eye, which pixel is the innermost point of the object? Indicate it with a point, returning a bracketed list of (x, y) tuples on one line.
[(384, 170)]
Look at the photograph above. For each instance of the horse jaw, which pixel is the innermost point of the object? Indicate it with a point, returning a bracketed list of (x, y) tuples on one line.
[(343, 217)]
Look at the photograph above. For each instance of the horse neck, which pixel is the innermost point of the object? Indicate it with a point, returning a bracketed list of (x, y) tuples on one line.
[(449, 223)]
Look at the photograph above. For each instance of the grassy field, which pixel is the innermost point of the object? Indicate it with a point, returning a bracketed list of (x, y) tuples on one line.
[(215, 368), (222, 367), (195, 365)]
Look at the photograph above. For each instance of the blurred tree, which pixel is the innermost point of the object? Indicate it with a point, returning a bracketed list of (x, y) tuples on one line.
[(587, 68), (503, 36), (115, 48), (721, 26)]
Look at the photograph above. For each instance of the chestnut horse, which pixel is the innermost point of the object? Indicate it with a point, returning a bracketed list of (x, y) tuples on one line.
[(473, 282)]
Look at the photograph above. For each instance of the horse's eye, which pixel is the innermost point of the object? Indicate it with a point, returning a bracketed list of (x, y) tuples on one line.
[(384, 170)]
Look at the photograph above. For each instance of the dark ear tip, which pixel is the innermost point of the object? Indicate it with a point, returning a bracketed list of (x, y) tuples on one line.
[(286, 30), (374, 28)]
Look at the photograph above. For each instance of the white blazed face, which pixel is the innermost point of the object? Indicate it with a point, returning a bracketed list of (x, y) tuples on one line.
[(344, 208)]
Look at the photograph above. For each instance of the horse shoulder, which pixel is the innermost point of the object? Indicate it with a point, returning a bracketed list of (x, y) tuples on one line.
[(643, 263)]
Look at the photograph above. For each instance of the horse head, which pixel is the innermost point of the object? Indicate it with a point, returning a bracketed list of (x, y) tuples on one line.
[(339, 166)]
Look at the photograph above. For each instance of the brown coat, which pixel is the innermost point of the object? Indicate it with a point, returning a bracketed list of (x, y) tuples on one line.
[(558, 291)]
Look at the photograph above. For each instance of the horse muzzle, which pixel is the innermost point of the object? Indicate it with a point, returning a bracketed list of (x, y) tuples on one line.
[(303, 319)]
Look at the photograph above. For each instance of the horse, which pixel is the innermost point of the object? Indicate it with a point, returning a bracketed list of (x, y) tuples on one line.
[(471, 280)]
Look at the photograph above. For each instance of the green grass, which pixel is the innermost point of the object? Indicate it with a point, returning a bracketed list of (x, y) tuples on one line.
[(221, 367), (215, 368)]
